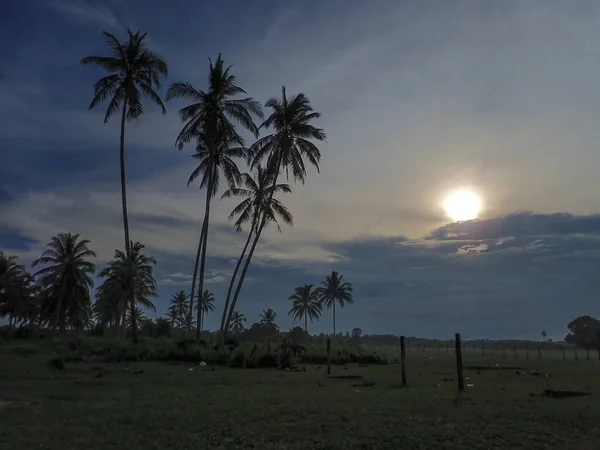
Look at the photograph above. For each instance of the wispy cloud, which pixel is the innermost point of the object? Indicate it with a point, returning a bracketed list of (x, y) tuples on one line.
[(86, 11)]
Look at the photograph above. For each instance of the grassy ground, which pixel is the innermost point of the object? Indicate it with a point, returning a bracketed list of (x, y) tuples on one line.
[(158, 406)]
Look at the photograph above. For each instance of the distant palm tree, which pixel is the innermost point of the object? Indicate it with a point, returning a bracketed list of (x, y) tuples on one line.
[(122, 277), (173, 317), (178, 308), (65, 281), (333, 291), (208, 121), (207, 304), (258, 202), (17, 296), (237, 322), (268, 317), (305, 304), (544, 335), (135, 320), (134, 71), (285, 149)]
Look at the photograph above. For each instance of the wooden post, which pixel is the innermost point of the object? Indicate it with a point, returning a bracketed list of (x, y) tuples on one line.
[(587, 352), (515, 352), (438, 346), (504, 352), (539, 353), (563, 352), (449, 346), (527, 352), (328, 356), (482, 349), (403, 360), (576, 354), (459, 365)]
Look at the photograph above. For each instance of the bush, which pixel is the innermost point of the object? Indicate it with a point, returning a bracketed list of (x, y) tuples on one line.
[(237, 359), (267, 361)]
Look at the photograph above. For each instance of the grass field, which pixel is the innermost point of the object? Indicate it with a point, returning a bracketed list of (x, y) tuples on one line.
[(154, 405)]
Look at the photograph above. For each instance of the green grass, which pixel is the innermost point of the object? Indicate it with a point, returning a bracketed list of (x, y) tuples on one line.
[(170, 406)]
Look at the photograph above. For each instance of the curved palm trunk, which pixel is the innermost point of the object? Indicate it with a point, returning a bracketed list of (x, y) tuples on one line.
[(233, 277), (334, 318), (203, 256), (196, 265)]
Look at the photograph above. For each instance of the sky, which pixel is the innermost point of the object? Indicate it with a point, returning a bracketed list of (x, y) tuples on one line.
[(417, 99)]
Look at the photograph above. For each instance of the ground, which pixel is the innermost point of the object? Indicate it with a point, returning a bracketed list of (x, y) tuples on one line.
[(152, 405)]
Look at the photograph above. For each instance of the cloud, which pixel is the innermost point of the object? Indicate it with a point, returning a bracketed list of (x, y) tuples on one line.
[(86, 11)]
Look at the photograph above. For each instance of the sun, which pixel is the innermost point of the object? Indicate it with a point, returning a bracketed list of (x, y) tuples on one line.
[(462, 205)]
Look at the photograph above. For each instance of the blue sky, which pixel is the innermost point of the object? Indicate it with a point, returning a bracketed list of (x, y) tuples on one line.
[(418, 98)]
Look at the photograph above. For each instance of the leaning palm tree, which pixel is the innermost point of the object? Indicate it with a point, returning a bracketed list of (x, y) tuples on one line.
[(208, 121), (237, 322), (268, 317), (65, 281), (333, 291), (207, 304), (284, 149), (134, 71), (258, 200), (124, 276), (178, 308), (305, 304)]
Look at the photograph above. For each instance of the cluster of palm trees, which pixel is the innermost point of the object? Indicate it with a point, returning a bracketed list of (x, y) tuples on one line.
[(212, 121)]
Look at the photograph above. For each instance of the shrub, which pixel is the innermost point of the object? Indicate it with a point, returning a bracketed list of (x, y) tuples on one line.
[(267, 361), (237, 359)]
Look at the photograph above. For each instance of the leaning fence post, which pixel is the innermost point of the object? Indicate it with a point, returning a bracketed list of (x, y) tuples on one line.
[(403, 360), (459, 365), (328, 356)]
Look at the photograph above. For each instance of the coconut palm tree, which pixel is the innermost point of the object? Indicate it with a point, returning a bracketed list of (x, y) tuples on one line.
[(268, 317), (173, 317), (135, 72), (207, 304), (284, 149), (17, 296), (237, 322), (178, 309), (333, 291), (135, 319), (258, 199), (208, 120), (123, 276), (65, 281), (305, 304)]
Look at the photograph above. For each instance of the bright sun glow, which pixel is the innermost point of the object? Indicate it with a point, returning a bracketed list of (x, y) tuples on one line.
[(462, 205)]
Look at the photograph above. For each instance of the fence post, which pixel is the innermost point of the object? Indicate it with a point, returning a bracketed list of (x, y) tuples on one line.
[(563, 352), (459, 365), (539, 353), (587, 352), (527, 352), (576, 354), (269, 346), (482, 349), (403, 360), (504, 352), (328, 356)]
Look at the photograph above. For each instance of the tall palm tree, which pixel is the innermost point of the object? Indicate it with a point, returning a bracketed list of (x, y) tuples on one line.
[(237, 322), (17, 296), (305, 303), (258, 199), (134, 71), (284, 149), (124, 276), (208, 120), (178, 308), (268, 317), (66, 280), (207, 304), (333, 291)]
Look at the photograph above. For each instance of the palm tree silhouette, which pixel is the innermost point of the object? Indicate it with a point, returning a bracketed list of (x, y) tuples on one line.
[(124, 276), (285, 149), (207, 120), (178, 308), (333, 291), (237, 322), (268, 317), (65, 280), (258, 201), (207, 304), (305, 304), (17, 296), (134, 71)]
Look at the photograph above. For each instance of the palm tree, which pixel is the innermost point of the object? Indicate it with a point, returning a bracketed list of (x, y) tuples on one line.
[(208, 120), (135, 319), (285, 149), (178, 309), (333, 291), (123, 276), (258, 200), (172, 316), (65, 281), (134, 71), (268, 317), (17, 296), (544, 335), (237, 322), (305, 303), (207, 304)]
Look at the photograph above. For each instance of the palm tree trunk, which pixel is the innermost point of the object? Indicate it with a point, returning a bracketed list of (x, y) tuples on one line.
[(10, 322), (333, 317), (306, 323), (233, 277), (196, 265), (124, 181), (203, 255)]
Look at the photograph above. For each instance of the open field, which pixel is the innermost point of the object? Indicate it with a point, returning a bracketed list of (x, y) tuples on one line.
[(155, 405)]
